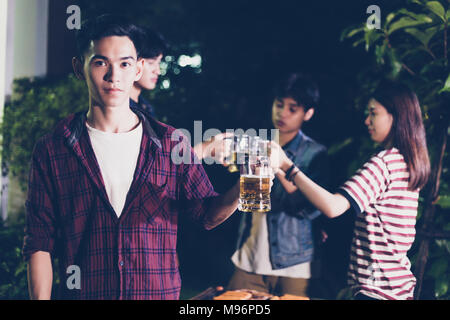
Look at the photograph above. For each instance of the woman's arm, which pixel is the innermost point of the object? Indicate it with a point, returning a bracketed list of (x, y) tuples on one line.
[(287, 185), (332, 205)]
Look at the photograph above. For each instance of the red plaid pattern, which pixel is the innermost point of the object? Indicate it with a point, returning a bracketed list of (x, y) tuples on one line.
[(70, 216)]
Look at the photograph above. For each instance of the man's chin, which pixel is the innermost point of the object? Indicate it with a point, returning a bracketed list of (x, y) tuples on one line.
[(150, 86), (115, 103)]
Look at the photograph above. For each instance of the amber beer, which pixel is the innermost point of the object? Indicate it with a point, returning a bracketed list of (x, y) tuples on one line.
[(231, 153), (231, 161), (254, 194)]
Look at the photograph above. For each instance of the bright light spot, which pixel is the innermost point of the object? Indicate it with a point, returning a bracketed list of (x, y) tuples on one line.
[(183, 61), (165, 84), (193, 62), (163, 67), (168, 58), (196, 61)]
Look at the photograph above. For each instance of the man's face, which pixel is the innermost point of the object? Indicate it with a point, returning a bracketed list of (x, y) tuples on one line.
[(151, 73), (110, 69), (288, 116)]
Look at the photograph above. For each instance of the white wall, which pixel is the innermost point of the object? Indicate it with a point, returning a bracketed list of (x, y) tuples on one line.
[(3, 33), (23, 53), (28, 38)]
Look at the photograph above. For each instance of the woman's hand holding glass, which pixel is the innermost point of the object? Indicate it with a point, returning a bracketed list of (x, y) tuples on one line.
[(279, 159)]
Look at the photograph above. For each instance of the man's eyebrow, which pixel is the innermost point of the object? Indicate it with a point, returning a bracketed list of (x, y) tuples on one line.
[(98, 56)]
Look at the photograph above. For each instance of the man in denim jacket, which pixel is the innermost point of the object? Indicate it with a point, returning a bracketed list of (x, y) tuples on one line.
[(275, 249)]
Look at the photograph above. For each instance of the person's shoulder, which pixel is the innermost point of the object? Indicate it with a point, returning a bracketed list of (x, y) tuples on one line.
[(311, 143), (389, 155), (385, 161), (55, 137), (170, 136), (163, 130)]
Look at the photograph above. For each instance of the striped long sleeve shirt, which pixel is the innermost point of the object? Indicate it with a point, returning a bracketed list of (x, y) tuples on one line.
[(384, 228)]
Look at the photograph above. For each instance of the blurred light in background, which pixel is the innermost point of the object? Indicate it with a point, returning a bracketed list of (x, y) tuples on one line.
[(163, 66), (194, 61), (165, 84)]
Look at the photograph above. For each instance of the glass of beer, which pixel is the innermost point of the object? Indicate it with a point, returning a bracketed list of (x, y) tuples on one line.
[(231, 151), (262, 148), (255, 184)]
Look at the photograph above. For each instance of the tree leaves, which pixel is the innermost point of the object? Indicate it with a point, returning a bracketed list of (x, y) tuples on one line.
[(438, 272), (412, 39), (407, 22), (36, 106), (424, 37), (437, 9), (446, 87)]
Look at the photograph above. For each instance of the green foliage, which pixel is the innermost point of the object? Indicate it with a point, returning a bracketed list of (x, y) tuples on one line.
[(35, 108), (412, 46), (13, 270), (438, 269)]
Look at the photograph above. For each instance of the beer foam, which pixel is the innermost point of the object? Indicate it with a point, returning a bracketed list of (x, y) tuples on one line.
[(254, 176)]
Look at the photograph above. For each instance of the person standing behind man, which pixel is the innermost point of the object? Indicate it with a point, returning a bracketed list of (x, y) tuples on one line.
[(152, 49), (275, 249)]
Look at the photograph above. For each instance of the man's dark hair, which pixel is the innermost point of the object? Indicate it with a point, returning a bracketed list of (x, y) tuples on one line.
[(105, 26), (300, 87), (152, 43)]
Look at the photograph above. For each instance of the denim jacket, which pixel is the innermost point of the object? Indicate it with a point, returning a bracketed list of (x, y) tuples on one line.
[(289, 223)]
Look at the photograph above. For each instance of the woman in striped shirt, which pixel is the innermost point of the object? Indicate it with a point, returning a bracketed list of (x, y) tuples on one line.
[(384, 193)]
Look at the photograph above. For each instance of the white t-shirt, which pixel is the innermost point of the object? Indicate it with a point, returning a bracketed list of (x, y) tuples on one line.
[(254, 254), (117, 155)]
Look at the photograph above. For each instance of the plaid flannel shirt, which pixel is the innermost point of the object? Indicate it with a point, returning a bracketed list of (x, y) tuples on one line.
[(70, 216)]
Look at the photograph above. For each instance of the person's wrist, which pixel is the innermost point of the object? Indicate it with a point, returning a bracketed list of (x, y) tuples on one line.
[(286, 165), (292, 175)]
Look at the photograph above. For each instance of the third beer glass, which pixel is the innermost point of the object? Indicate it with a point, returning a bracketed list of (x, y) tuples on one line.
[(255, 178)]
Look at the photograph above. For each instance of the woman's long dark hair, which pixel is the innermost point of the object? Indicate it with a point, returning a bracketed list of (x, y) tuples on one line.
[(407, 133)]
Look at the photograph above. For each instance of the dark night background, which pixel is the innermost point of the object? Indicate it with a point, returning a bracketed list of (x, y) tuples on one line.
[(245, 47)]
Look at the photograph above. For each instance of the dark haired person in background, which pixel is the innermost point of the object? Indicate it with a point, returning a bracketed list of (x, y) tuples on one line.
[(384, 193), (104, 192), (151, 51), (275, 249), (152, 47)]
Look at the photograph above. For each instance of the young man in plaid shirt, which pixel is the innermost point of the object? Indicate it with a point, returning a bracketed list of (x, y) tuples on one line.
[(104, 193)]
